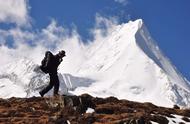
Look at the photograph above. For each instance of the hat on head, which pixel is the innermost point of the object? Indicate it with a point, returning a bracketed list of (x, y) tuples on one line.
[(62, 53)]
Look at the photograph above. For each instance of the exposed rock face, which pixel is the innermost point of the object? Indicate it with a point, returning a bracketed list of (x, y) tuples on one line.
[(73, 110)]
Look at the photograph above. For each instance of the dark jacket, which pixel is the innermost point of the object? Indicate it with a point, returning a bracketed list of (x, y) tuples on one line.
[(51, 62)]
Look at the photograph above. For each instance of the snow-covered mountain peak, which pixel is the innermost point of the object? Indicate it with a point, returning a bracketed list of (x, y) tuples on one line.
[(102, 55), (137, 23), (127, 64)]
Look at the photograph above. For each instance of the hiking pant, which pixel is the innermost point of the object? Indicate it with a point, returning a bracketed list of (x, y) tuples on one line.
[(54, 82)]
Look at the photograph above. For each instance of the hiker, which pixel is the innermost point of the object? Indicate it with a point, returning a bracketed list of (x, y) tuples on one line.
[(49, 65)]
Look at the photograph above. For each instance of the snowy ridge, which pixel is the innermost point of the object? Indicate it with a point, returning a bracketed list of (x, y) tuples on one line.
[(130, 65), (151, 49), (127, 64), (23, 78)]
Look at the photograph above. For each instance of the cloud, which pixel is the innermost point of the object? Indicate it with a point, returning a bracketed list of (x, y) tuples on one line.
[(123, 2), (14, 11), (33, 44), (103, 25)]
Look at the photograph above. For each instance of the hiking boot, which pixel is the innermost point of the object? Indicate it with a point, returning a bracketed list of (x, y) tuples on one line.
[(41, 94), (56, 95)]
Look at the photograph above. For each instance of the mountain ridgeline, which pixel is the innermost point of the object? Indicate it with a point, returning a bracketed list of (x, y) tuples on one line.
[(127, 64)]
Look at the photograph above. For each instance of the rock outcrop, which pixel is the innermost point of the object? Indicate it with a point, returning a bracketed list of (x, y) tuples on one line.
[(86, 109)]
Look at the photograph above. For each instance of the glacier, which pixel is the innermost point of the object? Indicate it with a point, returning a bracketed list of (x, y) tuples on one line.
[(127, 64)]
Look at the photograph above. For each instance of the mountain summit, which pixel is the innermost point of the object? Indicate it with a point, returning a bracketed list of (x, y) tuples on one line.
[(127, 64), (133, 67)]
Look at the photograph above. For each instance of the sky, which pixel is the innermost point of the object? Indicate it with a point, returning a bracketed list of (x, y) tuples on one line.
[(48, 22)]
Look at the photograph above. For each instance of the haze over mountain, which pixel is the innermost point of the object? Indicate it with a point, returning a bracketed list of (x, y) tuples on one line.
[(126, 63)]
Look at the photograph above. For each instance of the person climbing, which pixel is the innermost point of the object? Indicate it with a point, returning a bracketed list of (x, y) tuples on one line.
[(49, 65)]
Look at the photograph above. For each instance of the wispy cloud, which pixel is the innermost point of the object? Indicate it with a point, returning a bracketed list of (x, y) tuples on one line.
[(14, 11), (33, 44), (123, 2)]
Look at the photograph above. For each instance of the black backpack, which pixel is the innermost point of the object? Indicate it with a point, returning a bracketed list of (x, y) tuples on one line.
[(43, 67)]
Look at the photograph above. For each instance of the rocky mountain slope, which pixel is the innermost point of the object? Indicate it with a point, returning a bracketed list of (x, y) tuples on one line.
[(86, 109)]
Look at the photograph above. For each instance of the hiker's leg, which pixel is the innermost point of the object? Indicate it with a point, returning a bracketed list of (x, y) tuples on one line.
[(56, 83), (49, 87)]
